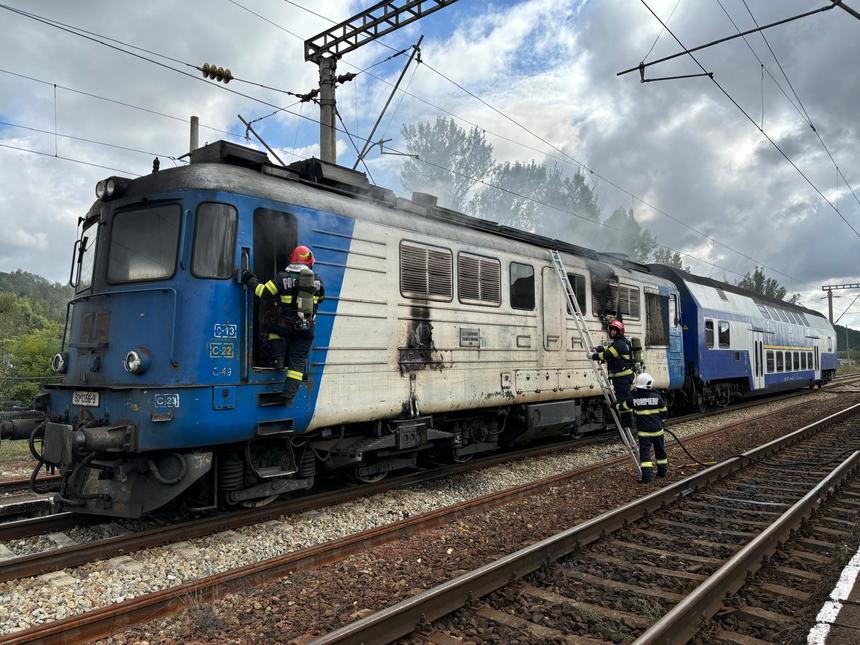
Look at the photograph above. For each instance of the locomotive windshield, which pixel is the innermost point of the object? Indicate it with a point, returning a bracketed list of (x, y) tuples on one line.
[(143, 244)]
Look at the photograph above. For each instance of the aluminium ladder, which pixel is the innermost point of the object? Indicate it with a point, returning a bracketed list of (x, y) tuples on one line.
[(627, 437)]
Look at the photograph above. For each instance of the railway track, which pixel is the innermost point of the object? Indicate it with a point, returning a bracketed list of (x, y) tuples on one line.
[(653, 569), (112, 617), (128, 542)]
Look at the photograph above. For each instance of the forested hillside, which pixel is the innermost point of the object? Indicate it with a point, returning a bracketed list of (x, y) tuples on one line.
[(32, 312)]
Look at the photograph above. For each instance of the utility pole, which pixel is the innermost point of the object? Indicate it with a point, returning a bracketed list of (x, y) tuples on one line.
[(830, 288), (326, 47)]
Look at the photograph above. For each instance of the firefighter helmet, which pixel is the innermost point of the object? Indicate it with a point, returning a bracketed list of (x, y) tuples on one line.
[(618, 326), (643, 381), (302, 255)]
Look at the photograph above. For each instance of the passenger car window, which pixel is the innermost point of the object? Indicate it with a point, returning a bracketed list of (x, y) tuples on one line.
[(779, 362), (628, 301), (709, 333), (578, 283), (763, 311), (214, 241), (796, 360), (770, 361), (522, 286), (724, 339), (656, 320), (479, 280), (143, 244), (426, 271), (782, 315)]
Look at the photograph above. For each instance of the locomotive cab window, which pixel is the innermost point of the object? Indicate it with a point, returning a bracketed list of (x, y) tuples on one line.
[(578, 283), (214, 241), (479, 280), (723, 334), (274, 239), (522, 286), (426, 272), (656, 320), (86, 257), (143, 244), (709, 334)]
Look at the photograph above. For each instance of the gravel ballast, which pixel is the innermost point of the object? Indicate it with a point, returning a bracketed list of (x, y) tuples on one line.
[(463, 545)]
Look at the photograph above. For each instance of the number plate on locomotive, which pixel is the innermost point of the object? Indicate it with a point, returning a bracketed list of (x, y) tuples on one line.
[(88, 399)]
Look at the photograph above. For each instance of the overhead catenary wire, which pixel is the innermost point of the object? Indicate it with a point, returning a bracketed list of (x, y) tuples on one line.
[(661, 32), (86, 140), (92, 35), (565, 159), (72, 159), (268, 103), (751, 120), (808, 118), (847, 308)]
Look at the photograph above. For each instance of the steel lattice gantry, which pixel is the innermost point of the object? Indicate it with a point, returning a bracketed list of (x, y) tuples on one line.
[(326, 47)]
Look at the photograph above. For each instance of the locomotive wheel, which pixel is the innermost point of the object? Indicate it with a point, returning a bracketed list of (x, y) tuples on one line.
[(258, 503), (367, 479), (462, 459)]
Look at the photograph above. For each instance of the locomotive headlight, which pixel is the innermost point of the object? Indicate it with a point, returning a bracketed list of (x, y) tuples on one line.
[(110, 187), (100, 189), (60, 362), (136, 361)]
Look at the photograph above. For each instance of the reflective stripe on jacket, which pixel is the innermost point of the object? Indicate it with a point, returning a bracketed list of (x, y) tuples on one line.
[(618, 357), (649, 408)]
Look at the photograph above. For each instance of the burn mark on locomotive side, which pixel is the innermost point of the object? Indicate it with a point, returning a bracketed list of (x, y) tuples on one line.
[(604, 287), (420, 346)]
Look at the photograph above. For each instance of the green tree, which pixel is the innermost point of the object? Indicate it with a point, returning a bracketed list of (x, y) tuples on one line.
[(450, 160), (537, 198), (667, 258), (623, 234), (47, 298), (26, 359), (761, 284)]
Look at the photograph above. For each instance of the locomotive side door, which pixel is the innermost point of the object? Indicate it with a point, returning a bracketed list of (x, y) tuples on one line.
[(274, 239), (551, 307)]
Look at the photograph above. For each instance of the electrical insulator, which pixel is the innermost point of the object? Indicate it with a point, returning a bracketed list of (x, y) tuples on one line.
[(216, 73)]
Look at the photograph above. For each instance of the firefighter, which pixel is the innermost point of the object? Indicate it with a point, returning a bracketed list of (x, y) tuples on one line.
[(619, 363), (291, 331), (650, 411)]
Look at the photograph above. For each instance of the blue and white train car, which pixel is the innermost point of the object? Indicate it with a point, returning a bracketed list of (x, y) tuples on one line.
[(440, 334), (738, 343)]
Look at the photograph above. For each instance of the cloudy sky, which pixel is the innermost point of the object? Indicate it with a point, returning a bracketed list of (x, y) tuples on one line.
[(548, 65)]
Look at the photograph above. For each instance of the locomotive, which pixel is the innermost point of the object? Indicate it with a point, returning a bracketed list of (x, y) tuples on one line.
[(441, 336)]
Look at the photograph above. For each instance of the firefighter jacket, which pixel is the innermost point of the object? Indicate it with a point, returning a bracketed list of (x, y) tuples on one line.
[(618, 357), (285, 289), (649, 408)]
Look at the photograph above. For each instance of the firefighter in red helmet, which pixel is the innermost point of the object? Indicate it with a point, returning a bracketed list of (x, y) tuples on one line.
[(619, 363), (297, 291)]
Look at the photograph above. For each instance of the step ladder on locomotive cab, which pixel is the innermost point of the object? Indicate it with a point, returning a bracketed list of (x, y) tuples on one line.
[(627, 437)]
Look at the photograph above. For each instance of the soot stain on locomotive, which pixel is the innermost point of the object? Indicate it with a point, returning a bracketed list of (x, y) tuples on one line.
[(420, 346)]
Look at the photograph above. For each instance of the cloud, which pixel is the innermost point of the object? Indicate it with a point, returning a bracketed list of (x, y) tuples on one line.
[(549, 65)]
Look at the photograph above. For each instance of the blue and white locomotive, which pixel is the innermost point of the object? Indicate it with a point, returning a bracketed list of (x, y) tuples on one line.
[(440, 336)]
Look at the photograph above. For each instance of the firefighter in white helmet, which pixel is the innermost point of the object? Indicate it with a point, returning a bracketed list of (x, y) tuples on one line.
[(649, 410)]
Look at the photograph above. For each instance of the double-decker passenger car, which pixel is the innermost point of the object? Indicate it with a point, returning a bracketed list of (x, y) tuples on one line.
[(440, 334), (738, 343)]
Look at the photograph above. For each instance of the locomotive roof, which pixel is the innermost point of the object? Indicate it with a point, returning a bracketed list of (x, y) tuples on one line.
[(337, 179), (686, 276)]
